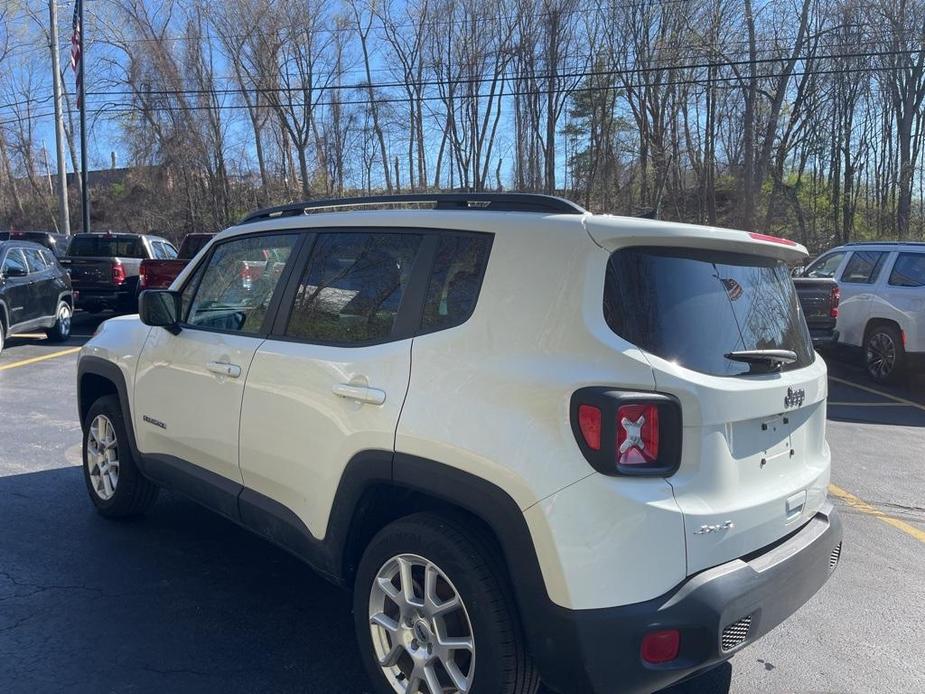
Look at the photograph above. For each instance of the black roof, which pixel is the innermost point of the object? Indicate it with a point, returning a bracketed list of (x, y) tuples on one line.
[(885, 243), (495, 202)]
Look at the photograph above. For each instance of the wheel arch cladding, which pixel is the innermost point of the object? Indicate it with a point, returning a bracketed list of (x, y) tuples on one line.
[(874, 323), (96, 378)]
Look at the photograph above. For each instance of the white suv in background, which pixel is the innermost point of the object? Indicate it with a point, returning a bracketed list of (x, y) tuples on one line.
[(534, 442), (882, 307)]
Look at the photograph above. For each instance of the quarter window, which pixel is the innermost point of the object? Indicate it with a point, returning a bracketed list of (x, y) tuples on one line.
[(825, 267), (352, 287), (908, 270), (863, 267), (237, 285), (455, 280)]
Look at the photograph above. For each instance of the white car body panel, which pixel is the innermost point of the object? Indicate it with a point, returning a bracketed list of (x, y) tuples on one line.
[(297, 436), (200, 410)]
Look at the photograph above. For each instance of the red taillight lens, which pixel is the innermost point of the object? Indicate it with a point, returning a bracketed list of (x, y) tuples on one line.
[(637, 434), (661, 646), (836, 300), (589, 421), (118, 273), (142, 276)]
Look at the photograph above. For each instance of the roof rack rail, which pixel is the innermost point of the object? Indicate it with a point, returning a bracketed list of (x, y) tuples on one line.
[(885, 243), (495, 202)]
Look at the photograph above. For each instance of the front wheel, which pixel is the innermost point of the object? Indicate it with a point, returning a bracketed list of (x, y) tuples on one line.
[(884, 353), (61, 330), (434, 615), (116, 486)]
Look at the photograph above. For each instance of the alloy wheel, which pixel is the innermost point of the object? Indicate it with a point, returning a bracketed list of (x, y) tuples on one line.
[(881, 355), (421, 631), (103, 457), (64, 321)]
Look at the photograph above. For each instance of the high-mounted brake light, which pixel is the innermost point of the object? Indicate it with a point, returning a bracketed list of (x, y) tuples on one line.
[(118, 273), (627, 433), (771, 239), (836, 300)]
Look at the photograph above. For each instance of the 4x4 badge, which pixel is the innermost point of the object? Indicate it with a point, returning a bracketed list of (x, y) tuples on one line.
[(707, 529), (794, 398)]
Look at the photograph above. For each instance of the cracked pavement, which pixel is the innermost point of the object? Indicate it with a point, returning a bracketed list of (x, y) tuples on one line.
[(184, 601)]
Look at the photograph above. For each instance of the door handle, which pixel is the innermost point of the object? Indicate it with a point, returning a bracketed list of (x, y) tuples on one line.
[(223, 368), (373, 396)]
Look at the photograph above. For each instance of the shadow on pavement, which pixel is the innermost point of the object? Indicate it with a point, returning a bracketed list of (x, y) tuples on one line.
[(180, 600)]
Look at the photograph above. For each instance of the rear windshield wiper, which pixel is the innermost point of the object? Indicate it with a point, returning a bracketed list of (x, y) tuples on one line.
[(771, 359)]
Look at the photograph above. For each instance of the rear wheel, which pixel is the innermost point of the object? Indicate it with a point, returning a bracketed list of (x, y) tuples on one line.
[(884, 353), (61, 330), (433, 613), (116, 486)]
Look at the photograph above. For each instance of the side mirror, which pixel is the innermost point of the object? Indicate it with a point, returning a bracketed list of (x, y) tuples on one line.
[(160, 308), (13, 272)]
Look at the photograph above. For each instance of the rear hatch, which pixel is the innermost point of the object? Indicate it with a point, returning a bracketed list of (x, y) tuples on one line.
[(817, 299), (754, 464)]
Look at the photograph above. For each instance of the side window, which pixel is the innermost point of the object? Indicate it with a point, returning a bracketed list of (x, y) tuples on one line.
[(169, 251), (237, 285), (34, 259), (455, 281), (14, 261), (352, 287), (49, 258), (908, 270), (863, 267), (157, 248), (825, 266)]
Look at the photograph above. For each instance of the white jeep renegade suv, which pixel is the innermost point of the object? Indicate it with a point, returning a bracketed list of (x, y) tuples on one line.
[(534, 442)]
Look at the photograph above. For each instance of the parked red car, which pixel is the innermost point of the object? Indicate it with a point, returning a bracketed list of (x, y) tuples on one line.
[(159, 273)]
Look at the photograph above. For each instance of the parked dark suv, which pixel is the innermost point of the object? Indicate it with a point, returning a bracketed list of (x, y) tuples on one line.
[(104, 268), (56, 243), (35, 292)]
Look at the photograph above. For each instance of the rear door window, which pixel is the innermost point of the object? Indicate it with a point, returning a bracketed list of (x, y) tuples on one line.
[(908, 270), (455, 281), (693, 307), (103, 246), (15, 261), (352, 287), (863, 267), (34, 259)]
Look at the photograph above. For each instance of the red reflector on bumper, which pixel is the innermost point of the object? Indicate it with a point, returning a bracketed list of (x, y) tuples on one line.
[(661, 646)]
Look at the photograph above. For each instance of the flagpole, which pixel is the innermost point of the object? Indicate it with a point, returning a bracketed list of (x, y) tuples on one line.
[(85, 188)]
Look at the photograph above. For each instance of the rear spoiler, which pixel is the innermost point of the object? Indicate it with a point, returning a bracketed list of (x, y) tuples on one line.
[(612, 232)]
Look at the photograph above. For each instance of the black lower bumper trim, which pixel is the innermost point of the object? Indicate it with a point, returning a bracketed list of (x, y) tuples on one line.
[(599, 650)]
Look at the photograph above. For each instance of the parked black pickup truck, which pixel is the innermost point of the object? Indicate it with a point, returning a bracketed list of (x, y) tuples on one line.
[(819, 298), (104, 268)]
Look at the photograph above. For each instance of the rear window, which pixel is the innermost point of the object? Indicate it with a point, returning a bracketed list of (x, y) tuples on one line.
[(106, 247), (693, 307), (192, 245)]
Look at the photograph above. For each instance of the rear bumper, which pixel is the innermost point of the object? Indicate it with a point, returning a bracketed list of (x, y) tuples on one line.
[(112, 298), (599, 650), (823, 337)]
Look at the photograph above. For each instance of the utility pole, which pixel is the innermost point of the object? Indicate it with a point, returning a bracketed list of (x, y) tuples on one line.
[(82, 105), (63, 212)]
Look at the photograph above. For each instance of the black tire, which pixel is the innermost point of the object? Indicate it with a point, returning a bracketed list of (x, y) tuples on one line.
[(502, 664), (884, 354), (61, 330), (133, 494)]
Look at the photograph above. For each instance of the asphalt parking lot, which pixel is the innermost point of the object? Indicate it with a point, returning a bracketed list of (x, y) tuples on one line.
[(184, 601)]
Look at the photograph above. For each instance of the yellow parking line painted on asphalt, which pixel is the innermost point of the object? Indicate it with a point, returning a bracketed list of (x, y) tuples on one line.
[(33, 360), (878, 392), (864, 507)]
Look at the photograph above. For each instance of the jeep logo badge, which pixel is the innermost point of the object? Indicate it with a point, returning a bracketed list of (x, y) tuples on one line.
[(794, 398)]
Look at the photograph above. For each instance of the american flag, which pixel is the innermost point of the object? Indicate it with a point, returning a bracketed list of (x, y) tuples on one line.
[(76, 55), (733, 288)]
